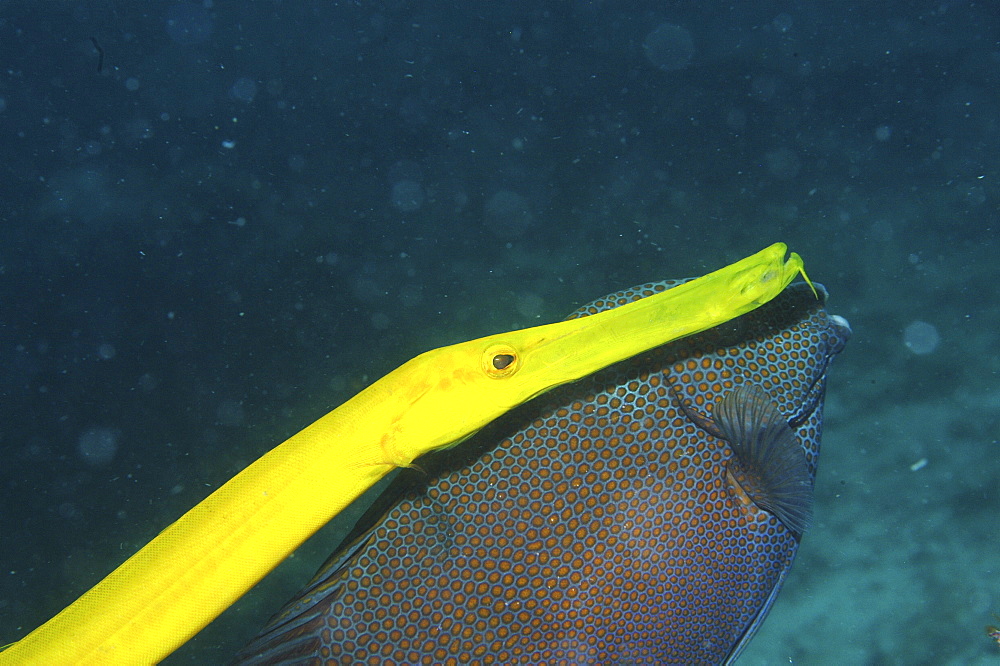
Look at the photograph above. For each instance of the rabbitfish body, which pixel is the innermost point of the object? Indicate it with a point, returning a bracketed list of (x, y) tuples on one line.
[(644, 515)]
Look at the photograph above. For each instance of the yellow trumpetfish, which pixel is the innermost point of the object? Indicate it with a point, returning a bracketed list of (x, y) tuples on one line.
[(197, 567)]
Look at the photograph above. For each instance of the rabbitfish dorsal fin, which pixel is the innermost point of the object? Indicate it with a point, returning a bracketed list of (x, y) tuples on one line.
[(768, 463)]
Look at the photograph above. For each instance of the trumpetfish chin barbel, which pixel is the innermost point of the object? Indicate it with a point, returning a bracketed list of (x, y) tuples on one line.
[(577, 580), (644, 515)]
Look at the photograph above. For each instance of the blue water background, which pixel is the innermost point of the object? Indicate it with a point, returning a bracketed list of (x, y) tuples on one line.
[(255, 209)]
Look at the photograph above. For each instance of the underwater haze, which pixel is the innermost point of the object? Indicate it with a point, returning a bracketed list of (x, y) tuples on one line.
[(220, 220)]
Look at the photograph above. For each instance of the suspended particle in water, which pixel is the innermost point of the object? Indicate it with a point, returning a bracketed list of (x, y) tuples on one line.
[(245, 90), (508, 214), (407, 195), (188, 23), (97, 446), (783, 163), (230, 413), (921, 338), (782, 22), (147, 383), (669, 47), (883, 133)]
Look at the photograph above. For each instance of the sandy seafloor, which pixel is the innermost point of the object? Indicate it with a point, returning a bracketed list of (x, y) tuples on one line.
[(254, 209)]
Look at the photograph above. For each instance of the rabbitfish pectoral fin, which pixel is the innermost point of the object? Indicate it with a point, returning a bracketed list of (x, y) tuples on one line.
[(768, 466)]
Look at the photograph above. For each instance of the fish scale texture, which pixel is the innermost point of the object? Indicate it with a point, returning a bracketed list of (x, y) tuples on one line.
[(603, 532)]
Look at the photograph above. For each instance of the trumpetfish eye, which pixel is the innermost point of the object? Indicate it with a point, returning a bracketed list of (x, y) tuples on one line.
[(500, 361)]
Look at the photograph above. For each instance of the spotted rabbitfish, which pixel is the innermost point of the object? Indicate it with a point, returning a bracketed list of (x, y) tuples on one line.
[(647, 514)]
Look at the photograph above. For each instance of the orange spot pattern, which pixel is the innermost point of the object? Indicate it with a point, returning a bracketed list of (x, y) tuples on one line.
[(603, 532)]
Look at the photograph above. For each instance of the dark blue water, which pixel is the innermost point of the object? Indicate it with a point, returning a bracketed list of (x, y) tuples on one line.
[(242, 213)]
